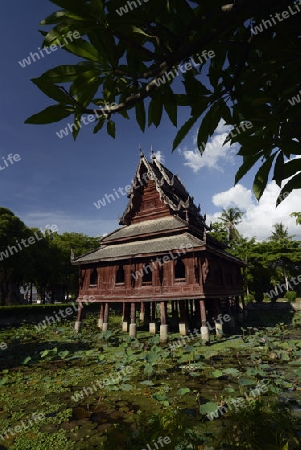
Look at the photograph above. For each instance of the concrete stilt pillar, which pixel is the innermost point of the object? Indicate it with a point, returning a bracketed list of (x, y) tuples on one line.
[(132, 328), (183, 325), (163, 333), (77, 326), (205, 335), (105, 317), (126, 317), (163, 326), (152, 327), (142, 313), (183, 329), (100, 320), (218, 324), (219, 329)]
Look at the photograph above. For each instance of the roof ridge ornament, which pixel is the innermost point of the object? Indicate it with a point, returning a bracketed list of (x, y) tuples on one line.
[(153, 153), (141, 152), (162, 171)]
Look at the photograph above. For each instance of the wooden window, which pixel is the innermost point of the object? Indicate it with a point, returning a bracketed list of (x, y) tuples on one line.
[(94, 278), (120, 275), (147, 276), (180, 274)]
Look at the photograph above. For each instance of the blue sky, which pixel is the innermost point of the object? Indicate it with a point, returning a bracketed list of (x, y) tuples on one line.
[(57, 181)]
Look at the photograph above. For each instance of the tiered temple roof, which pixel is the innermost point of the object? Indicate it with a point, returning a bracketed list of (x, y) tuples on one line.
[(163, 220)]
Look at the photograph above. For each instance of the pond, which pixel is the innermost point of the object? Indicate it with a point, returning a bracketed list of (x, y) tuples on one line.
[(108, 391)]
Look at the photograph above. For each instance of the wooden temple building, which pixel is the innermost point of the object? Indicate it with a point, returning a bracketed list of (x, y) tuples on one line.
[(162, 255)]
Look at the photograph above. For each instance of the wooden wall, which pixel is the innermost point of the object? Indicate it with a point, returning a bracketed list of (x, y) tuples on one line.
[(207, 276)]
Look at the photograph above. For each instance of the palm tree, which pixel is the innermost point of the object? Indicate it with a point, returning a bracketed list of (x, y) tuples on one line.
[(280, 233), (231, 217), (298, 217)]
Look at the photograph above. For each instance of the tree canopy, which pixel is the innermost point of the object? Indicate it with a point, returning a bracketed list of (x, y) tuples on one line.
[(297, 215), (274, 261), (231, 217), (28, 256), (237, 61)]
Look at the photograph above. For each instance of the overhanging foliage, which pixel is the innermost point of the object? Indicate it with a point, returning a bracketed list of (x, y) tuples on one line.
[(253, 76)]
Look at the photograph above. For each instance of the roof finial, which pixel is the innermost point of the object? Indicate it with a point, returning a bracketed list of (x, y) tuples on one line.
[(152, 152), (141, 152)]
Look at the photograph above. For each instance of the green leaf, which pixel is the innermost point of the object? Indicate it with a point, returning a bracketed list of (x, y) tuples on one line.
[(51, 114), (140, 115), (248, 163), (291, 168), (229, 390), (183, 132), (160, 397), (4, 380), (99, 125), (78, 47), (26, 360), (217, 373), (52, 91), (85, 87), (170, 104), (155, 109), (294, 183), (246, 381), (75, 130), (261, 177), (148, 370), (231, 371), (208, 408), (278, 169), (183, 391), (77, 6), (189, 349), (126, 387), (68, 72), (208, 125), (147, 382), (63, 354), (111, 128)]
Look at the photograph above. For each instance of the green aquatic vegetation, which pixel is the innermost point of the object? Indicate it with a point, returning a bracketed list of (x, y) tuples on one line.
[(36, 441), (70, 363), (260, 426)]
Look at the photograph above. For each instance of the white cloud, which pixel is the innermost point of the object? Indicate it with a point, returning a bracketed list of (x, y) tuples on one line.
[(260, 216), (68, 223), (236, 196), (215, 152), (160, 157)]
